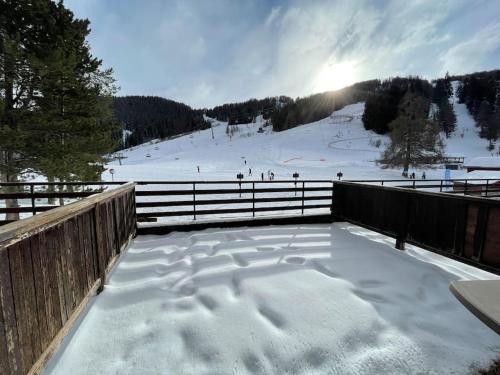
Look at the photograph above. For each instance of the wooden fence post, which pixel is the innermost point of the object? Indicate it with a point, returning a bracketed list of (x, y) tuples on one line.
[(253, 199), (194, 200), (405, 217), (303, 192), (32, 192)]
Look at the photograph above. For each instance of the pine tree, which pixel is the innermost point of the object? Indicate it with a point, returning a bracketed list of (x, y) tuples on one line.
[(414, 137), (21, 35), (55, 117)]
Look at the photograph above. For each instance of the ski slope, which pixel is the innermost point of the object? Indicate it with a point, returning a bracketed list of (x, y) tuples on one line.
[(465, 141), (317, 150)]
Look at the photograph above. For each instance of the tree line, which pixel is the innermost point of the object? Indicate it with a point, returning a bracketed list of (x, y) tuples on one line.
[(150, 117), (318, 106), (246, 112), (55, 97)]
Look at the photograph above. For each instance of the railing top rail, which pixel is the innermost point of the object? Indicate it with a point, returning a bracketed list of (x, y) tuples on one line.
[(428, 180), (477, 199), (256, 181), (18, 230), (79, 183), (201, 182)]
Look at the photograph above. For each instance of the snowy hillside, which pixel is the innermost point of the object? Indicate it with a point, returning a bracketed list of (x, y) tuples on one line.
[(465, 139), (316, 150)]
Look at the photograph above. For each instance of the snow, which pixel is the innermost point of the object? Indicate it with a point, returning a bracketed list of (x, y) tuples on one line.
[(491, 175), (305, 299), (484, 162), (316, 151), (465, 140)]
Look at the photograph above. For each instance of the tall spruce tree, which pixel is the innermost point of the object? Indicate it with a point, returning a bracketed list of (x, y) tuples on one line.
[(21, 53), (55, 116), (415, 139), (76, 118)]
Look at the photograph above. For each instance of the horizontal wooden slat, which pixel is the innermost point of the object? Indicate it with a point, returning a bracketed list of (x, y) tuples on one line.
[(232, 201), (229, 211), (4, 210), (74, 194), (142, 193)]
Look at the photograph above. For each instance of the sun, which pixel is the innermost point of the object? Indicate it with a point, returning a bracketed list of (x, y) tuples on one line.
[(335, 76)]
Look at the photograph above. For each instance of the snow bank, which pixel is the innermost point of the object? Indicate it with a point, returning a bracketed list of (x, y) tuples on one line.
[(306, 299)]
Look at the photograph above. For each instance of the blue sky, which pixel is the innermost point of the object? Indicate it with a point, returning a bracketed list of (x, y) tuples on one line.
[(209, 52)]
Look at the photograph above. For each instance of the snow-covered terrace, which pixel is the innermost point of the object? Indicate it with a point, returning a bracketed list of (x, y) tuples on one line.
[(297, 299)]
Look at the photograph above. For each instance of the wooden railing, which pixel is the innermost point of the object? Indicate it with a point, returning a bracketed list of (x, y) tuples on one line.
[(472, 186), (206, 198), (50, 264), (461, 227), (30, 195), (195, 199)]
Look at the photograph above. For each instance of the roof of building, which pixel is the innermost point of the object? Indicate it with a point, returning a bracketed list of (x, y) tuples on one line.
[(484, 162)]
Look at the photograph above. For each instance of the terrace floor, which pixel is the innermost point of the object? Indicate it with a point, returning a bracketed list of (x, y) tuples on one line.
[(301, 299)]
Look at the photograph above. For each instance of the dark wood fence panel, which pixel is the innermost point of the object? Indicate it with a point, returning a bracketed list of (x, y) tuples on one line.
[(49, 265), (491, 251), (230, 198), (461, 227)]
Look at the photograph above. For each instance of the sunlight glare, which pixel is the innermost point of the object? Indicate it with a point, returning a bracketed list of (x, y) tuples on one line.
[(335, 76)]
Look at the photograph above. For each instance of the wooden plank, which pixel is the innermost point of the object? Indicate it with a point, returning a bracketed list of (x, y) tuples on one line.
[(229, 211), (40, 288), (92, 243), (57, 274), (10, 359), (79, 256), (100, 246), (231, 201), (226, 182), (85, 238), (4, 210), (226, 191), (71, 265), (21, 305), (4, 352), (48, 264), (491, 252), (64, 273)]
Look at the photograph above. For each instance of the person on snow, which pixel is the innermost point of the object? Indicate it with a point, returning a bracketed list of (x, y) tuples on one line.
[(262, 176), (423, 176), (249, 171), (198, 168)]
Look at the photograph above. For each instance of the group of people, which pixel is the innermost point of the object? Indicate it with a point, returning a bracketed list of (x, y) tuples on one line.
[(270, 174), (412, 175)]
